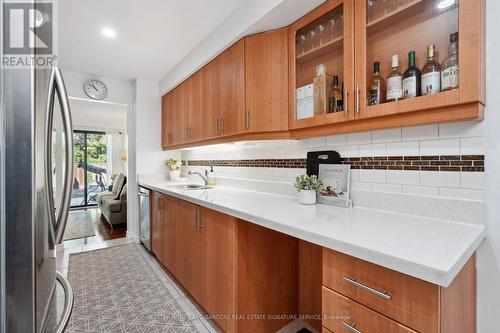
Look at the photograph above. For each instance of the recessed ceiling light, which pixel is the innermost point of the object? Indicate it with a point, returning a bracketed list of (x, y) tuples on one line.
[(108, 32), (445, 4)]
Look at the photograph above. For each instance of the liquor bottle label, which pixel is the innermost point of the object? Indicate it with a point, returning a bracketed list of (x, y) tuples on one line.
[(374, 97), (410, 87), (394, 87), (431, 83), (449, 78)]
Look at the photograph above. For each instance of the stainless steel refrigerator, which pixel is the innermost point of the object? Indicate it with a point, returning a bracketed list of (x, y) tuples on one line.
[(32, 218)]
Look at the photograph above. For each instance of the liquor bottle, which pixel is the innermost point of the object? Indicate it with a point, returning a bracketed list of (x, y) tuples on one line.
[(376, 92), (336, 101), (394, 82), (411, 78), (449, 67), (431, 73)]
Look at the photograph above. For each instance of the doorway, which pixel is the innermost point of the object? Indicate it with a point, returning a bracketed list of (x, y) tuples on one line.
[(89, 167)]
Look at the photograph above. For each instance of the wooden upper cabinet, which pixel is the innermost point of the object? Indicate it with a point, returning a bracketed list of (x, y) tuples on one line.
[(232, 86), (325, 37), (166, 119), (266, 81), (246, 91), (381, 34), (195, 107), (212, 99)]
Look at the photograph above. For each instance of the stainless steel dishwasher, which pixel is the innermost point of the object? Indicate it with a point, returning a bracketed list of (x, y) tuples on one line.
[(145, 217)]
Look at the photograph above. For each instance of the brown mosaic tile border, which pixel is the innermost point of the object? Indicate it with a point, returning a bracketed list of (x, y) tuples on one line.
[(453, 163)]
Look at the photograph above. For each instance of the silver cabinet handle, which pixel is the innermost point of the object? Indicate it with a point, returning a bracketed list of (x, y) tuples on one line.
[(376, 292), (68, 302), (58, 224), (247, 119), (351, 327), (198, 224), (221, 125), (168, 138), (217, 126), (346, 100), (357, 100)]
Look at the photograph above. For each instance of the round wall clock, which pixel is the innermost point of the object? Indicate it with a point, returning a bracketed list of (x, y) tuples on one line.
[(95, 89)]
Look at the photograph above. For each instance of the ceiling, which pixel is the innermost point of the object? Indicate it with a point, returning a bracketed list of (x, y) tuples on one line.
[(152, 36)]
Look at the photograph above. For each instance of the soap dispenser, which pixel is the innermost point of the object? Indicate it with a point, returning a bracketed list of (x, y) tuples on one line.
[(211, 181)]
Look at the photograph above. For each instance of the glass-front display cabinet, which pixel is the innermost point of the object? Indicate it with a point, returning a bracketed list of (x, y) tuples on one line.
[(322, 60), (396, 62)]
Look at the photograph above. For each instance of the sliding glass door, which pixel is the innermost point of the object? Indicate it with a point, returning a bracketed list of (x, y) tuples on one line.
[(89, 167)]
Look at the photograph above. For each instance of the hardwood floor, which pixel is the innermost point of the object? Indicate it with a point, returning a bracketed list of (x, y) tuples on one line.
[(102, 229)]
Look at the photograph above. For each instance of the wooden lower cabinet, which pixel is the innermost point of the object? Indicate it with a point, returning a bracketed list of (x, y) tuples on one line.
[(219, 299), (189, 249), (267, 278), (310, 280), (249, 278), (345, 315), (156, 227), (420, 306)]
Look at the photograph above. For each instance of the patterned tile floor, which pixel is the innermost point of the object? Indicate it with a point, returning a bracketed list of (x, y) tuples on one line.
[(101, 276)]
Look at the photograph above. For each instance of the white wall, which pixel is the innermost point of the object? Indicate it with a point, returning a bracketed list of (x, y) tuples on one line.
[(119, 91), (250, 17), (92, 115), (144, 144), (488, 258)]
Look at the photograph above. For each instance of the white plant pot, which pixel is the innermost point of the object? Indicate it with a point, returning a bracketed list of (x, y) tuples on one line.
[(307, 197), (175, 175)]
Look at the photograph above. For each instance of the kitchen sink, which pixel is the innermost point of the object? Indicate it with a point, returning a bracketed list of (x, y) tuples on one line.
[(193, 187)]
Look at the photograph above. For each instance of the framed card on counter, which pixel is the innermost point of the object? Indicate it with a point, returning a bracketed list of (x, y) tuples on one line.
[(336, 180)]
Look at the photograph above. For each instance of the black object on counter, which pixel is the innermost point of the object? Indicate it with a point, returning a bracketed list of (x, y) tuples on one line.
[(315, 158)]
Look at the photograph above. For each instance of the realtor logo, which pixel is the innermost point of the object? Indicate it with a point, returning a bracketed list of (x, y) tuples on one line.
[(28, 38)]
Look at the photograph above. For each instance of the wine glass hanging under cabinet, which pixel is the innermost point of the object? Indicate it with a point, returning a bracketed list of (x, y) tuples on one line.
[(322, 65)]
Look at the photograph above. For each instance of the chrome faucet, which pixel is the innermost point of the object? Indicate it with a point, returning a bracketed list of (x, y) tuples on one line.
[(205, 179)]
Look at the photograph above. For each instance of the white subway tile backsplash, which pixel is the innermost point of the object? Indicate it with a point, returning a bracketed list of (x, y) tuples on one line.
[(410, 148), (461, 129), (460, 193), (361, 186), (316, 142), (424, 132), (354, 175), (441, 179), (372, 150), (387, 188), (372, 176), (472, 146), (403, 177), (440, 147), (472, 180), (421, 190), (386, 135), (348, 151), (359, 138), (336, 140)]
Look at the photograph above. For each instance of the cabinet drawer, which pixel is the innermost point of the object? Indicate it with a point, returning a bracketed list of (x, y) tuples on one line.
[(341, 314), (403, 298)]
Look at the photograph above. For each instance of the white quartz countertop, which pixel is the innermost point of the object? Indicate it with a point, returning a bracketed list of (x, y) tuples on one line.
[(430, 249)]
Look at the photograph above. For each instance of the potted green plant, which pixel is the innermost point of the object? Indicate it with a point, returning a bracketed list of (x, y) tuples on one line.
[(307, 186), (174, 168)]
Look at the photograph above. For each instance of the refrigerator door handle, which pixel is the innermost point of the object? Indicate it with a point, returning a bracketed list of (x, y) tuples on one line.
[(57, 224), (68, 303)]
